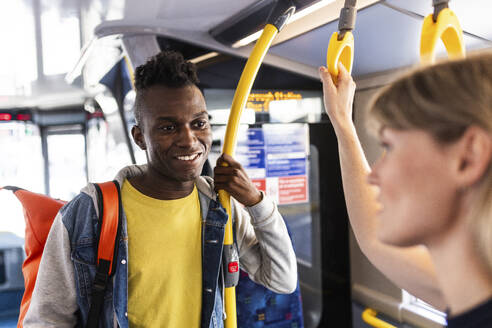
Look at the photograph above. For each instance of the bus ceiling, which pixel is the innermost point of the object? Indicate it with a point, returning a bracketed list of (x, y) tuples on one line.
[(211, 30), (139, 29)]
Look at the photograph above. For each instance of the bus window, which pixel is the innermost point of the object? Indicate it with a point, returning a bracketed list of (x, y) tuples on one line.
[(21, 165), (21, 161), (60, 36), (97, 136), (117, 154), (66, 157)]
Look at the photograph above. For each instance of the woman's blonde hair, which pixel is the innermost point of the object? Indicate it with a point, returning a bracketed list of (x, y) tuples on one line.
[(444, 100)]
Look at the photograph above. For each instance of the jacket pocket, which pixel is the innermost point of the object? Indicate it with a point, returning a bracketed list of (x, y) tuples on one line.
[(84, 260)]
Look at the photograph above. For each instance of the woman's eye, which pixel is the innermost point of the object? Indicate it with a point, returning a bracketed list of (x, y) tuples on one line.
[(386, 146)]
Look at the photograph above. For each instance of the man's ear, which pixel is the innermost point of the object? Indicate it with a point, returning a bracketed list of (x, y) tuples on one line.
[(475, 155), (138, 137)]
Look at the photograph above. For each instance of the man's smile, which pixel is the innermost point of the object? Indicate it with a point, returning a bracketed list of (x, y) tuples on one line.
[(189, 157)]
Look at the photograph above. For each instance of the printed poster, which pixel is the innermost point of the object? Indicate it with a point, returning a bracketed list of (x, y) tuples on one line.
[(275, 158)]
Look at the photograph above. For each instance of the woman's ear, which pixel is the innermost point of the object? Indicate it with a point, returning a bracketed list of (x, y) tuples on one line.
[(474, 155), (138, 137)]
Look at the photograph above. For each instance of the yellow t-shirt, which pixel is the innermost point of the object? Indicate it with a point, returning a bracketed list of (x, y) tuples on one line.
[(165, 260)]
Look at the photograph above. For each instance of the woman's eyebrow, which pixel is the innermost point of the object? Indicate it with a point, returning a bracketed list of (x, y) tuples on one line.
[(381, 131)]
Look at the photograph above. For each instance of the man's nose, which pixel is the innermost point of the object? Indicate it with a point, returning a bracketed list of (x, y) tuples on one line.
[(186, 137)]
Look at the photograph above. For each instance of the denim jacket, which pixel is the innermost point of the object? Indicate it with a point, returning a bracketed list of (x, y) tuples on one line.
[(61, 297)]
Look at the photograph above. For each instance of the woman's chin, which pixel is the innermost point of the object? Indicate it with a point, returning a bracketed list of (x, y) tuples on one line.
[(396, 238)]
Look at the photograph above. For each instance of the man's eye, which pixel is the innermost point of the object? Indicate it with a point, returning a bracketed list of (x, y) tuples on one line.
[(201, 124), (167, 127)]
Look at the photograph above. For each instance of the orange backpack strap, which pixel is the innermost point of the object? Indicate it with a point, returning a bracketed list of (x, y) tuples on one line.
[(110, 209)]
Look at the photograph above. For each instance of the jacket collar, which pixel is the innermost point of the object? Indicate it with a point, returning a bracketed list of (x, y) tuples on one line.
[(204, 184)]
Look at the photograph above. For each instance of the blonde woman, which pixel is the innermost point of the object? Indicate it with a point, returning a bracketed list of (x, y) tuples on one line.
[(423, 213)]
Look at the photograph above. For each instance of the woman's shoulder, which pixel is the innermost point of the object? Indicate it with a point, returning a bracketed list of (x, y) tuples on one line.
[(478, 317)]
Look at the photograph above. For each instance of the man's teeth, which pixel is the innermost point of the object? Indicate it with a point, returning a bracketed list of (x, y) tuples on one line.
[(188, 158)]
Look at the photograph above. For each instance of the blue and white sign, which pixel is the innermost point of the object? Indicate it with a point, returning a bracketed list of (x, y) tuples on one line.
[(275, 158), (287, 148)]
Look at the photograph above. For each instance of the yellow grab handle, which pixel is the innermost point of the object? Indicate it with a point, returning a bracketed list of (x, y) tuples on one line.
[(130, 70), (239, 101), (340, 51), (369, 317), (448, 29)]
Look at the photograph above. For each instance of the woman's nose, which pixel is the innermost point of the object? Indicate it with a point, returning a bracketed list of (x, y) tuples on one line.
[(373, 177)]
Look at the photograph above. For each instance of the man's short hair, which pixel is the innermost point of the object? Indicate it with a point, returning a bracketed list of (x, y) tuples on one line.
[(167, 68)]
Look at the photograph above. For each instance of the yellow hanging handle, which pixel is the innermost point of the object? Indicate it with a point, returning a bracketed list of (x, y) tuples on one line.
[(448, 29), (341, 46), (239, 101), (340, 51), (369, 317), (277, 20)]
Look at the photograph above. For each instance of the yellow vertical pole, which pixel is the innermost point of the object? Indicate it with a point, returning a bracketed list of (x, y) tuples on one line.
[(239, 101)]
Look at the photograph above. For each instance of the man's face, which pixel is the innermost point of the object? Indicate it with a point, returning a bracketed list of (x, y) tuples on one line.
[(174, 131)]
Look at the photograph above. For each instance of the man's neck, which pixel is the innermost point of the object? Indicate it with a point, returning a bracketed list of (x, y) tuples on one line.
[(159, 187)]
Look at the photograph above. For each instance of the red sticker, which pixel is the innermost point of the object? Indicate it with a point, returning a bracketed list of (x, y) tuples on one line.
[(260, 184), (233, 267)]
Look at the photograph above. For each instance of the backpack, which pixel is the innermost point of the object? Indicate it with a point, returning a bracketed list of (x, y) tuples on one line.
[(40, 212), (256, 305)]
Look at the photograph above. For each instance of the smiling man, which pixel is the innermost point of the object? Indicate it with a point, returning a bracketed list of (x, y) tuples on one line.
[(169, 270)]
